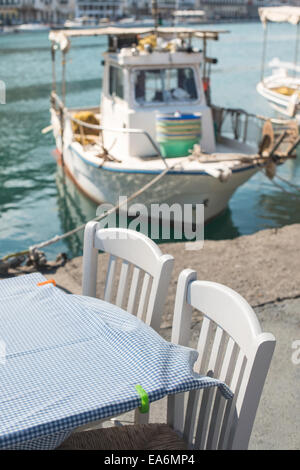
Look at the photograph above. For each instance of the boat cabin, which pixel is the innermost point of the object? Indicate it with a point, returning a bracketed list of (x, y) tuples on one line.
[(139, 85)]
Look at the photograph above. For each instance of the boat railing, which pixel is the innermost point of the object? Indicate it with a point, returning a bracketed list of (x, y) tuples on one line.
[(243, 126), (65, 113)]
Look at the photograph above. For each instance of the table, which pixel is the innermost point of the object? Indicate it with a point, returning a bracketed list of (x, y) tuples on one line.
[(71, 360)]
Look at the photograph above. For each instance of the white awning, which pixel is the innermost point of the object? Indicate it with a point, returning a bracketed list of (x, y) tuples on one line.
[(283, 14), (61, 37)]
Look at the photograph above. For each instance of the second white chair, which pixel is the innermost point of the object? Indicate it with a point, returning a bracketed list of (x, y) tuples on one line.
[(232, 348)]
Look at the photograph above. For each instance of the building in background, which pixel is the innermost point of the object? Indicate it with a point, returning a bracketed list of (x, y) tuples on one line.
[(99, 9), (115, 9), (136, 8), (237, 9), (214, 9), (9, 11), (224, 9), (32, 11), (168, 6), (57, 11)]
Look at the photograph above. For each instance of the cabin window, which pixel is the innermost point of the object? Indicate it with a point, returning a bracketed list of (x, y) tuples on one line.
[(165, 85), (116, 82)]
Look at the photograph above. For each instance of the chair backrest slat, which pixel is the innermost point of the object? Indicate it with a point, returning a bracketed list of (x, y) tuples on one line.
[(123, 281), (208, 395), (190, 416), (215, 421), (200, 365), (110, 278), (231, 348), (230, 416), (144, 295), (203, 418), (133, 293), (205, 338), (218, 411)]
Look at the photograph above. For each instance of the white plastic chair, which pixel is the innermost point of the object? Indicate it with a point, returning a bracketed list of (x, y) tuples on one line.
[(232, 348), (141, 292)]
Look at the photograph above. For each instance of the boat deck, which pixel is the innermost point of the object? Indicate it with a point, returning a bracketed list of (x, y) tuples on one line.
[(228, 156)]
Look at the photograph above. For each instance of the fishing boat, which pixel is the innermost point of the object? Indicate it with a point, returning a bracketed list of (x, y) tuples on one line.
[(282, 87), (189, 16), (156, 118), (81, 22), (33, 27)]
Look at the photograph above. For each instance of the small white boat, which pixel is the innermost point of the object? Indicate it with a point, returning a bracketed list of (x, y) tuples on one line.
[(137, 23), (8, 29), (189, 16), (81, 22), (33, 27), (127, 21), (117, 148), (282, 87)]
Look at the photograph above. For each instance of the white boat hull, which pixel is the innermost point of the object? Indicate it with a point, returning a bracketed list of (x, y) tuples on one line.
[(33, 27), (106, 185)]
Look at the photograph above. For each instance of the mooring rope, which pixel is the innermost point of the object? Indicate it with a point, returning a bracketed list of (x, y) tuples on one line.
[(295, 186), (271, 180), (58, 238)]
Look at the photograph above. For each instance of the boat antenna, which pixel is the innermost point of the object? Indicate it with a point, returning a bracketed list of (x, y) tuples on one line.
[(155, 14)]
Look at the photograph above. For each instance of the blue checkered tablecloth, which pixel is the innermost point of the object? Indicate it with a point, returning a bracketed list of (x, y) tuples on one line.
[(67, 360)]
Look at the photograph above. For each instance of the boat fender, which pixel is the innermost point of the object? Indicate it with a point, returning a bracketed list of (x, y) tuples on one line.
[(225, 175), (206, 84), (267, 139), (271, 168)]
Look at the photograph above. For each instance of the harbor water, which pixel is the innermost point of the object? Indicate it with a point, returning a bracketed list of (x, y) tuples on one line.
[(36, 203)]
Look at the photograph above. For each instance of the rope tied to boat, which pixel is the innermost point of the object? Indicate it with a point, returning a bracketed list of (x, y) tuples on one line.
[(272, 178), (37, 258)]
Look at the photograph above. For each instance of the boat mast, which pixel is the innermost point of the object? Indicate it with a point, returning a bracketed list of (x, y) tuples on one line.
[(297, 48), (53, 50), (155, 14), (264, 52)]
